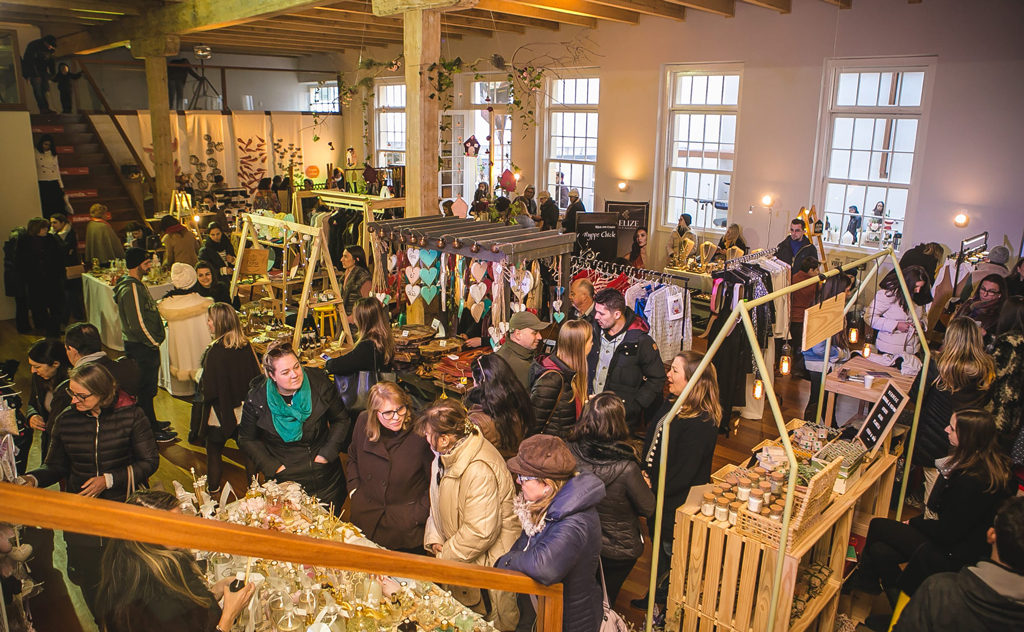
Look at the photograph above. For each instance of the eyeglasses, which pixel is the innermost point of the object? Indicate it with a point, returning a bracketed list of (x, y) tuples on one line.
[(989, 292), (522, 479), (393, 414), (78, 397)]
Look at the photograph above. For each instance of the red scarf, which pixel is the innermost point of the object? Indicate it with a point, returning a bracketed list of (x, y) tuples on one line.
[(102, 221)]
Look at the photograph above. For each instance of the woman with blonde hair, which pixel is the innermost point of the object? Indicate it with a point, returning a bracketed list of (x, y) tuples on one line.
[(373, 353), (559, 380), (732, 239), (228, 366), (389, 471), (961, 378), (690, 451), (101, 242), (472, 519)]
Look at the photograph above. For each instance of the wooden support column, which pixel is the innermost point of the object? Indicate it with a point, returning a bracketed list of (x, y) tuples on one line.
[(422, 30), (156, 51)]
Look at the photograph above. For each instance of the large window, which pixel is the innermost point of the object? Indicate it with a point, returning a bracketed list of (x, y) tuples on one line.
[(323, 99), (703, 108), (572, 139), (389, 105), (866, 176)]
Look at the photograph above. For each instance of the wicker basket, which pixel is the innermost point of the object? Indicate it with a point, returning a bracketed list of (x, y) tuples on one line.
[(808, 504)]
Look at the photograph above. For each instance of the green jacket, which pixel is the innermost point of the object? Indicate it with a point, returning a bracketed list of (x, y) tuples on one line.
[(140, 319)]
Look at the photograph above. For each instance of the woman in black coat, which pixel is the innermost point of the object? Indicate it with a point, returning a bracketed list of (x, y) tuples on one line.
[(559, 381), (14, 287), (39, 260), (73, 299), (217, 249), (228, 366), (600, 445), (374, 352), (499, 405), (49, 364), (389, 472), (691, 450), (973, 483), (101, 445), (211, 285), (294, 426)]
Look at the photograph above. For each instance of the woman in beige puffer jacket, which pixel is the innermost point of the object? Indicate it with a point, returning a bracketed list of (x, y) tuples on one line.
[(471, 515)]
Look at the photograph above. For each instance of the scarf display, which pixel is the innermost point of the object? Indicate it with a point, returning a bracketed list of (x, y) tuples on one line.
[(288, 420)]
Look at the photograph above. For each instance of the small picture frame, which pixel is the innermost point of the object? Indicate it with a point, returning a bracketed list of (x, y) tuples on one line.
[(676, 309)]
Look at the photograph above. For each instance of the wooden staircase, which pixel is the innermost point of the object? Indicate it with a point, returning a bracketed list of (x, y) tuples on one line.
[(89, 173)]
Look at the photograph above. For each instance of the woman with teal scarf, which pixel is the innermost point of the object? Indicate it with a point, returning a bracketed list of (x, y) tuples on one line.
[(294, 426)]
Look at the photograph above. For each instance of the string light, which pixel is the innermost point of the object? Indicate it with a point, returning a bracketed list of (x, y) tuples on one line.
[(758, 389), (867, 350), (854, 335), (786, 361)]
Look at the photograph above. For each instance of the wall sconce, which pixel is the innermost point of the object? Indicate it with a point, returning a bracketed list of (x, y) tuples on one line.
[(961, 220), (516, 176), (623, 186)]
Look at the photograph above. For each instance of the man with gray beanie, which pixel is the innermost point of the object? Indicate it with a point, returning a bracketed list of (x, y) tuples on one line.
[(142, 330)]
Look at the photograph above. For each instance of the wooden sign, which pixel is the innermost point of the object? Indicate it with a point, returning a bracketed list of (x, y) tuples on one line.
[(882, 417), (823, 320), (392, 7), (254, 262)]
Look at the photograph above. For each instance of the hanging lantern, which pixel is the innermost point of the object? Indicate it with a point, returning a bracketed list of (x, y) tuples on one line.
[(867, 350), (786, 361), (475, 248), (758, 389), (440, 242), (854, 335)]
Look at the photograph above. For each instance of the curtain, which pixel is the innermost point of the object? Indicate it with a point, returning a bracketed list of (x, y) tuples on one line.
[(209, 155), (287, 146), (250, 134), (179, 146)]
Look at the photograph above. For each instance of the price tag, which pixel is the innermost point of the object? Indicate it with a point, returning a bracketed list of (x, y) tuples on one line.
[(436, 324), (455, 357), (405, 333), (443, 343)]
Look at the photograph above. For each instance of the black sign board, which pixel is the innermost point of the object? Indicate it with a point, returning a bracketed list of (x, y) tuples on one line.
[(882, 417), (632, 229), (596, 235)]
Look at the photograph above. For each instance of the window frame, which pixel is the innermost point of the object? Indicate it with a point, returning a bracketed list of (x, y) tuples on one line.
[(545, 127), (330, 106), (829, 112), (666, 116), (378, 109)]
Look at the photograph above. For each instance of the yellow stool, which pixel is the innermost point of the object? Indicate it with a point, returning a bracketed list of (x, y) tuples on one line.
[(326, 316)]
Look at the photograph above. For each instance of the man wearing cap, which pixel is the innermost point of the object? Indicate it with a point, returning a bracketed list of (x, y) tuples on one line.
[(575, 206), (523, 339), (142, 330), (548, 212), (624, 359)]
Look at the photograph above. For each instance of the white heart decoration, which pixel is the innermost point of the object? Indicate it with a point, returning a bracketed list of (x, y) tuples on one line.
[(392, 262), (527, 283), (21, 553), (477, 311), (413, 292), (412, 273), (478, 270), (556, 305), (414, 255), (477, 292), (493, 333), (503, 326)]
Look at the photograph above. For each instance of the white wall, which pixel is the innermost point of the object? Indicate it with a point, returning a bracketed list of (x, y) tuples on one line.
[(975, 138), (20, 190)]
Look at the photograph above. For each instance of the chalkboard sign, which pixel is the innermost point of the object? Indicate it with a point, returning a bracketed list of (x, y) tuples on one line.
[(882, 417), (596, 235)]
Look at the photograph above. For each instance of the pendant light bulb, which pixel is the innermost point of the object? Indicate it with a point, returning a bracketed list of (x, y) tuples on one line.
[(854, 335), (786, 361), (758, 389), (867, 350)]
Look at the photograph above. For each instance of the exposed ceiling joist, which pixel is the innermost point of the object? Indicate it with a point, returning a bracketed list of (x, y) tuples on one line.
[(782, 6), (720, 7), (240, 40), (83, 6), (585, 9), (341, 40), (657, 8), (5, 9), (395, 38), (514, 8), (326, 29), (38, 19), (504, 18)]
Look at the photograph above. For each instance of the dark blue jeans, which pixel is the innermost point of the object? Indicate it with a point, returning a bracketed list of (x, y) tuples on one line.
[(148, 359)]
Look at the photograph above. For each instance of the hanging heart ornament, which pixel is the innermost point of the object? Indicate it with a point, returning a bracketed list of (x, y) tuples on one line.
[(477, 292), (478, 270), (414, 255), (412, 273), (413, 292), (392, 262), (477, 312)]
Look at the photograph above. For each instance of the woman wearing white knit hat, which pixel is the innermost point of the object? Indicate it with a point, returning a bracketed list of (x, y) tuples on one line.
[(187, 334)]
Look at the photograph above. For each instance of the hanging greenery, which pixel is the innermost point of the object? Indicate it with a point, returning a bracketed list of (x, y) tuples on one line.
[(347, 92)]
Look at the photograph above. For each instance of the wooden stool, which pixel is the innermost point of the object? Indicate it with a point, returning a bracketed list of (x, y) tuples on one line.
[(326, 316)]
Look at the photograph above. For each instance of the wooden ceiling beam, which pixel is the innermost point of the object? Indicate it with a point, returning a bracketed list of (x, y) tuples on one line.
[(321, 46), (584, 8), (269, 33), (720, 7), (657, 8), (84, 6), (524, 10), (6, 8), (354, 7), (37, 19), (344, 41), (782, 6), (355, 16), (241, 49), (504, 18), (303, 26)]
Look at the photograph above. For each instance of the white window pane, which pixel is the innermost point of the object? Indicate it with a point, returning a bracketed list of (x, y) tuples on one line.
[(897, 200), (684, 86), (729, 128), (854, 197), (842, 133), (712, 127), (839, 166), (700, 90), (697, 128), (593, 91), (681, 127), (876, 193), (569, 93), (711, 156), (676, 182), (847, 92), (692, 184), (731, 94), (885, 89), (690, 206), (694, 155), (882, 138), (835, 197), (867, 94), (859, 163), (707, 186), (906, 135), (875, 170), (726, 157), (911, 89), (715, 89), (902, 165), (863, 130)]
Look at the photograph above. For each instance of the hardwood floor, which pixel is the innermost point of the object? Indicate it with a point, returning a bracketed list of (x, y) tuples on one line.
[(56, 608)]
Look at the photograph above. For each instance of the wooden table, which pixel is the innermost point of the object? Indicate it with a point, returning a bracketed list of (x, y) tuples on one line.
[(860, 366)]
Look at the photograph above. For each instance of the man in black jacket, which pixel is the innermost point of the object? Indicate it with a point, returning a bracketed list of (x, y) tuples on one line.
[(575, 207), (624, 359), (795, 248), (986, 596), (581, 293), (37, 66)]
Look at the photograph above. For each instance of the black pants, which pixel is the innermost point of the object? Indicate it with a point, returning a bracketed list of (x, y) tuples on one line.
[(40, 88), (51, 197), (47, 306), (74, 301), (812, 401), (615, 574), (890, 543), (21, 313), (148, 359), (65, 101), (85, 557)]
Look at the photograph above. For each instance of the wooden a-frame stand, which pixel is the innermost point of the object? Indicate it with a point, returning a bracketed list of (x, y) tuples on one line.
[(319, 255)]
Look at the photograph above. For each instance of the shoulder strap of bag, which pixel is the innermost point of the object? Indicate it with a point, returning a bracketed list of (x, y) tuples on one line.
[(131, 483), (561, 387), (604, 588)]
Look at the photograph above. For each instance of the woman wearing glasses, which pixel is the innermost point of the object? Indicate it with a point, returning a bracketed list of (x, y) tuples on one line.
[(389, 472), (472, 519), (103, 446), (983, 308)]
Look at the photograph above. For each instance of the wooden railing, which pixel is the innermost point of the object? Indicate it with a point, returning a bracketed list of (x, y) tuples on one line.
[(70, 512)]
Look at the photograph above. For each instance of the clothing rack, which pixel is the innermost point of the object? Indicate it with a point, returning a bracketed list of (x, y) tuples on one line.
[(579, 263), (760, 254)]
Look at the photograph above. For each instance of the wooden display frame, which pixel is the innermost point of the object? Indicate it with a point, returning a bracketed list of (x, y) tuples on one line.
[(334, 198), (319, 256)]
